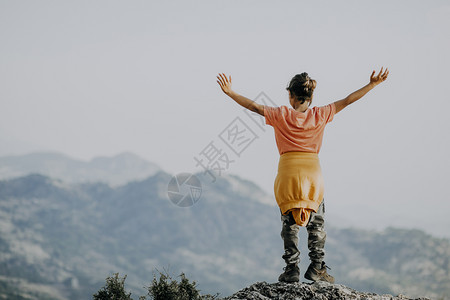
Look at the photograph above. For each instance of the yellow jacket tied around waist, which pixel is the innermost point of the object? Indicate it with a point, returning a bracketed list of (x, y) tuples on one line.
[(299, 185)]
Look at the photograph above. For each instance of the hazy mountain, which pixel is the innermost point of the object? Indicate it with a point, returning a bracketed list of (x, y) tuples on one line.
[(115, 170), (62, 240)]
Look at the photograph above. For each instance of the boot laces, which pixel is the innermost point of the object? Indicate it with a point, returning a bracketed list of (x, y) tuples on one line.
[(325, 266)]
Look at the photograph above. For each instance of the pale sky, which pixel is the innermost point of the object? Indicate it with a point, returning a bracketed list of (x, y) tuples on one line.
[(95, 78)]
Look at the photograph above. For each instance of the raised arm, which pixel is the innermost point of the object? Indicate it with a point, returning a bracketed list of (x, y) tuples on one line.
[(225, 85), (374, 81)]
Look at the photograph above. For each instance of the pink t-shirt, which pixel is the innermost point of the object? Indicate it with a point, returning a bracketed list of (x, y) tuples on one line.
[(299, 131)]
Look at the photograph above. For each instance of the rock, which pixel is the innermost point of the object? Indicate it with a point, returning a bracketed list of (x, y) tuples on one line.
[(303, 291)]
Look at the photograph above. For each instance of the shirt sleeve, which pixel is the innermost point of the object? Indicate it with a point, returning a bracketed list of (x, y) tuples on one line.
[(270, 114), (327, 112)]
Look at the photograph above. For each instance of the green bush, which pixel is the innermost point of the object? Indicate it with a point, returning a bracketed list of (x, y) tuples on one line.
[(167, 288), (164, 288), (113, 290)]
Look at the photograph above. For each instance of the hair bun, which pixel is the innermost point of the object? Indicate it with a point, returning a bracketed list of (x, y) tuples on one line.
[(302, 86)]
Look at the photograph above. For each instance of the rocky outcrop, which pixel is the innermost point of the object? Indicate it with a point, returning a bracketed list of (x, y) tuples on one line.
[(303, 291)]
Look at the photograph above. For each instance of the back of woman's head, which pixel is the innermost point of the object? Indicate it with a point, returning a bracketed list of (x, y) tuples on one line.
[(302, 87)]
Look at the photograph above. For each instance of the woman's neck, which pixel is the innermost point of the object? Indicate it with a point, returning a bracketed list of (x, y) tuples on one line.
[(302, 107)]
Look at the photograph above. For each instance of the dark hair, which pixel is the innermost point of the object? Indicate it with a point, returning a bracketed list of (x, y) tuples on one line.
[(302, 87)]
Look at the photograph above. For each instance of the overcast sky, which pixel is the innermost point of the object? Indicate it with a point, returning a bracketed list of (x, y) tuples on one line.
[(95, 78)]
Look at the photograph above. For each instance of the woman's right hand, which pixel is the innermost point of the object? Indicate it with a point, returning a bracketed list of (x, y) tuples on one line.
[(375, 80)]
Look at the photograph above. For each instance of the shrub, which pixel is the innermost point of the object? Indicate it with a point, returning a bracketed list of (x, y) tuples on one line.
[(167, 288), (164, 288), (113, 290)]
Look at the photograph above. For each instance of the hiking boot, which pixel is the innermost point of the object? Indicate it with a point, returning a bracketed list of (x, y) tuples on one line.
[(321, 274), (291, 273)]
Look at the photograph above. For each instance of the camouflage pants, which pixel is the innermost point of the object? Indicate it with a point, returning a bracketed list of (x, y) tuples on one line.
[(316, 237)]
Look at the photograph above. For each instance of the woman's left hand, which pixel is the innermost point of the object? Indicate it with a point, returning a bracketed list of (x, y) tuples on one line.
[(225, 84)]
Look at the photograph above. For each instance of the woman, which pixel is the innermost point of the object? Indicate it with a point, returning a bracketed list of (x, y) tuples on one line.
[(299, 186)]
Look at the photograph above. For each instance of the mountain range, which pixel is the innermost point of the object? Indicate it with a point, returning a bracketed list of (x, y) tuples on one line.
[(60, 239)]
